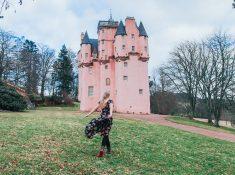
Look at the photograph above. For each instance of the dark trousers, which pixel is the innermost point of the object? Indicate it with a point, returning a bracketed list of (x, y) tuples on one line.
[(106, 143)]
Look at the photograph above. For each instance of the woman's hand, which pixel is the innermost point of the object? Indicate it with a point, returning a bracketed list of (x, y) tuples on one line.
[(110, 110), (86, 115), (91, 111)]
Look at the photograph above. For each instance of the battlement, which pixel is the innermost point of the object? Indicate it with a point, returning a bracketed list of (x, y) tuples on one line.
[(115, 41)]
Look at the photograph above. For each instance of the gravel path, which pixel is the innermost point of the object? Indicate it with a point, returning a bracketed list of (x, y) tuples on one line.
[(161, 120)]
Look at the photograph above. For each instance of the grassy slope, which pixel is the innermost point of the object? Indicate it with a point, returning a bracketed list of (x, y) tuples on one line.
[(186, 121), (51, 141)]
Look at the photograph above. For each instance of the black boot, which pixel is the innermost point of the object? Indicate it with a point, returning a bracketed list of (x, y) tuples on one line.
[(109, 150)]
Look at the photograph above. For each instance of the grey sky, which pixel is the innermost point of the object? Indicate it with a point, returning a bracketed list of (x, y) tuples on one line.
[(167, 22)]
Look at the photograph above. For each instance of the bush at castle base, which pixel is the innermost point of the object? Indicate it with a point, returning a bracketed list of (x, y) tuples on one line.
[(10, 100)]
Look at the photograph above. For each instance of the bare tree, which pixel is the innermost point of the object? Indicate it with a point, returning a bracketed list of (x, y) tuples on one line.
[(153, 81), (183, 70), (221, 48), (205, 85), (164, 83), (46, 57), (162, 100), (6, 49), (153, 91), (17, 74), (5, 4)]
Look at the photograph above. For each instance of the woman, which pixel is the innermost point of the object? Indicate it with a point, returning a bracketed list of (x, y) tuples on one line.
[(102, 124)]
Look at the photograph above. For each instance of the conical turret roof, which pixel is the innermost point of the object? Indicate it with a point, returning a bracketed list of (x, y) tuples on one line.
[(142, 30), (86, 39), (121, 29)]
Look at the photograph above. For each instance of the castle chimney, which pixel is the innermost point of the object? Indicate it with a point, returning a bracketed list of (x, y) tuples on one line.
[(82, 36)]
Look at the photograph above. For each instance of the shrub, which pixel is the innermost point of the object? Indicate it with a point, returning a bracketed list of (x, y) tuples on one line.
[(35, 99), (56, 101), (10, 99), (53, 100)]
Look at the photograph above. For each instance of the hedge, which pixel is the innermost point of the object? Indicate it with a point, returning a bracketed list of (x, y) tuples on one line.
[(10, 100)]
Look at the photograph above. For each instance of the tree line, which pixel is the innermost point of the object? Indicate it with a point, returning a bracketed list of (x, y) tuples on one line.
[(36, 68), (202, 73)]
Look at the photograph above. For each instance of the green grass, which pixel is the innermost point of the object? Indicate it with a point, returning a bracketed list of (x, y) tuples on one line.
[(51, 141), (187, 121)]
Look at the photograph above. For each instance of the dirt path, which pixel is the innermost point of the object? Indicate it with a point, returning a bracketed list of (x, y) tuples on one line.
[(161, 120)]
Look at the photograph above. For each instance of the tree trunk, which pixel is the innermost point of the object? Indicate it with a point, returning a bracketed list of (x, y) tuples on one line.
[(217, 115), (193, 108), (209, 110), (42, 90), (1, 72), (216, 122), (209, 119)]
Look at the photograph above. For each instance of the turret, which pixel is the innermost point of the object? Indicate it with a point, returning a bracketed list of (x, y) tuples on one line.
[(143, 43), (142, 31), (120, 45), (85, 52), (94, 49)]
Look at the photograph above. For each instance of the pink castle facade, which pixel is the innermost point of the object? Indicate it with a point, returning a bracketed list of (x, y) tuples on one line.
[(116, 62)]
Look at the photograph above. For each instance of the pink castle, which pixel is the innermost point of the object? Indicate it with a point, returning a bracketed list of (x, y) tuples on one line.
[(116, 62)]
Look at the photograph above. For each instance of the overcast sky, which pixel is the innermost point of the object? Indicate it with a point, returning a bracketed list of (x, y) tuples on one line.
[(167, 22)]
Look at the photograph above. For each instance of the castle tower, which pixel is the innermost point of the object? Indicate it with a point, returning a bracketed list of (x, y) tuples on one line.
[(89, 71), (132, 90), (106, 32), (116, 62)]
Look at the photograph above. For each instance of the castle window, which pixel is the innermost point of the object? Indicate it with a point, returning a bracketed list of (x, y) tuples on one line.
[(132, 36), (133, 48), (90, 91), (140, 91), (125, 64), (107, 81), (125, 77), (106, 57), (102, 30), (86, 55), (123, 47), (94, 55), (102, 41), (90, 70), (106, 66), (146, 48)]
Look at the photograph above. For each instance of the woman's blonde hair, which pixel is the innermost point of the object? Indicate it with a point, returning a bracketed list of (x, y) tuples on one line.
[(105, 96)]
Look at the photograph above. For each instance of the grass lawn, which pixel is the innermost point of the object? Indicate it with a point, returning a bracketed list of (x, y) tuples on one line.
[(187, 121), (51, 141)]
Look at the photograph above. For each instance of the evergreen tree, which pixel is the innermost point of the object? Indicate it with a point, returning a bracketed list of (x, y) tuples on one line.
[(64, 73), (30, 66)]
